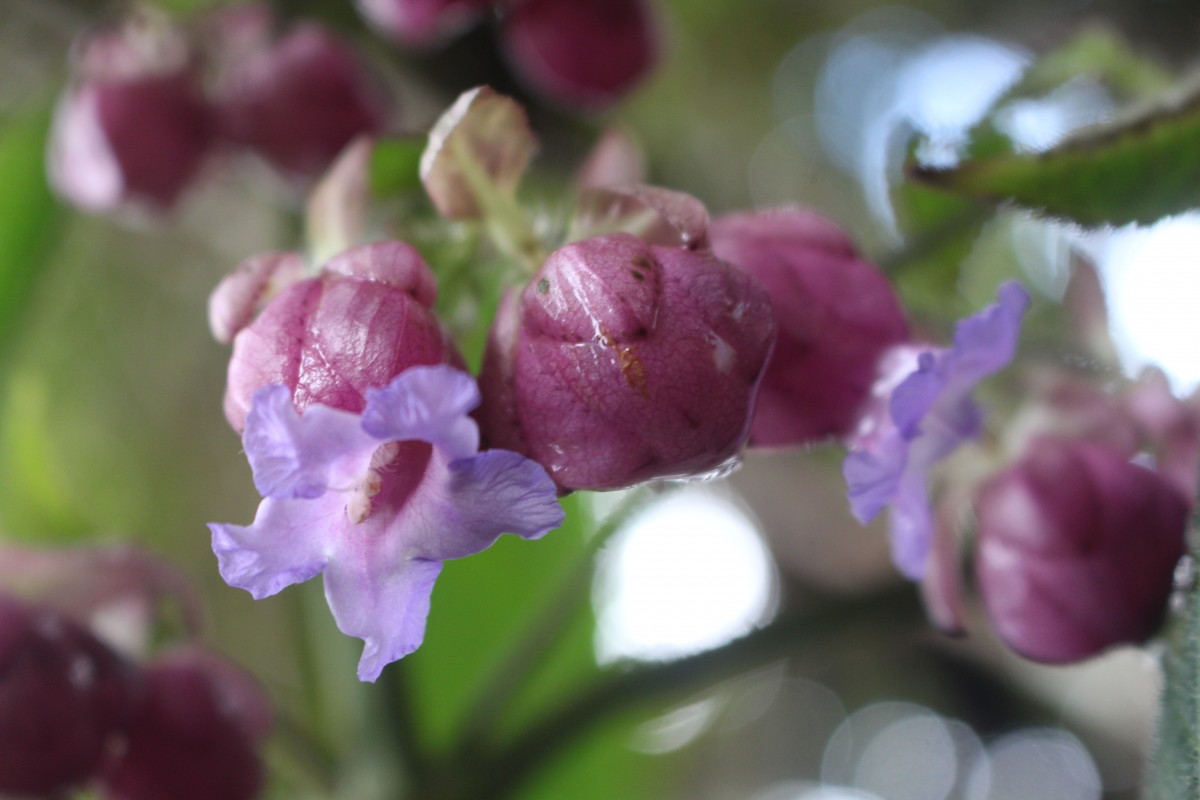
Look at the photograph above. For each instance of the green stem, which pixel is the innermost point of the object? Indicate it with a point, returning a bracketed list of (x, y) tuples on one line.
[(616, 691)]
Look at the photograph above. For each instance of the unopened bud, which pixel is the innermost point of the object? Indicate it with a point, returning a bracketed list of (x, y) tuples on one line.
[(837, 314), (622, 362), (364, 320), (1076, 550)]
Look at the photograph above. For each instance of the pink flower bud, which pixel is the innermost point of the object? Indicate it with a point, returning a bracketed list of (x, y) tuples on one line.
[(836, 313), (364, 320), (583, 53), (64, 700), (134, 130), (622, 362), (421, 23), (301, 100), (188, 739), (243, 293), (1076, 550)]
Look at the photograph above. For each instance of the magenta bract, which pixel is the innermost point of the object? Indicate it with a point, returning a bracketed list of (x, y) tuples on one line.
[(836, 316), (1077, 547), (64, 700), (364, 320), (581, 53), (300, 101), (622, 361)]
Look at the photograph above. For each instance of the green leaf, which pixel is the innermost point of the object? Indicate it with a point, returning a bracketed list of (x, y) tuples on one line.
[(395, 165), (1139, 170), (940, 231), (29, 216)]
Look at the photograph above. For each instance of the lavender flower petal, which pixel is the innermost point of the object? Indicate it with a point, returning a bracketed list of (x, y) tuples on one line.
[(873, 476), (931, 413), (911, 525), (289, 542), (302, 456), (464, 505), (429, 404), (383, 602)]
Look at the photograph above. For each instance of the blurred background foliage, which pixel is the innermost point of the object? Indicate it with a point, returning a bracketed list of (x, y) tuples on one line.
[(111, 426)]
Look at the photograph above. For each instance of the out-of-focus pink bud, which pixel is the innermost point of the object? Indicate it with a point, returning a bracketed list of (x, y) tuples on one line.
[(581, 53), (133, 131), (1076, 550), (65, 699), (1065, 405), (301, 100), (364, 320), (188, 739), (422, 23), (116, 592), (622, 362), (837, 314), (1171, 428), (246, 291), (483, 137), (615, 160)]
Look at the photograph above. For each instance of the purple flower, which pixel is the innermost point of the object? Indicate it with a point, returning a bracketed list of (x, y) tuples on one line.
[(923, 411), (376, 502)]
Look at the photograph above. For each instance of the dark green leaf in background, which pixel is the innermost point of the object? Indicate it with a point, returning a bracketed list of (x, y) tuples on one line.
[(30, 215), (1139, 170)]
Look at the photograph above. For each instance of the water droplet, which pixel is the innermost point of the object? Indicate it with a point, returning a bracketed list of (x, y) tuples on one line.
[(722, 470)]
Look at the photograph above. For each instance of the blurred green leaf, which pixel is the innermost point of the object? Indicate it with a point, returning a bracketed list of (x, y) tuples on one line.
[(395, 165), (940, 231), (481, 606), (34, 505), (29, 216), (1139, 170), (1096, 51)]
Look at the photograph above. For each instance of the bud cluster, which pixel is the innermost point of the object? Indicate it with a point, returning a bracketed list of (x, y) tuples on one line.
[(651, 342), (150, 104)]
